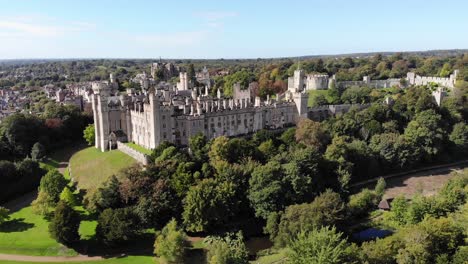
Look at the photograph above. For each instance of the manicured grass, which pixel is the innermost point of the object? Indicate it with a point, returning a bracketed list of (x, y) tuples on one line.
[(124, 260), (28, 234), (139, 148), (90, 167), (313, 94)]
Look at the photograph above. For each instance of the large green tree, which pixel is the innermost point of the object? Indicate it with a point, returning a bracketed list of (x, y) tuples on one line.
[(64, 224)]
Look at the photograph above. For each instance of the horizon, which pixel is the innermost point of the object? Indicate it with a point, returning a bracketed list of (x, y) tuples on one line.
[(384, 53), (211, 30)]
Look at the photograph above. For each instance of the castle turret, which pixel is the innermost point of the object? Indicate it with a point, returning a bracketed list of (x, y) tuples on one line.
[(101, 114)]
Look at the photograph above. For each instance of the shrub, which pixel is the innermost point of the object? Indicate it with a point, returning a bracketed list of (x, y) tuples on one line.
[(170, 243)]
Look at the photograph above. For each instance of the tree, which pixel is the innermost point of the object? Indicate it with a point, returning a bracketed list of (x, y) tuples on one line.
[(266, 190), (43, 204), (53, 183), (268, 149), (170, 243), (64, 224), (116, 226), (380, 187), (89, 134), (425, 130), (302, 179), (68, 197), (8, 172), (208, 204), (106, 196), (399, 210), (229, 249), (459, 136), (4, 214), (319, 246), (199, 147), (326, 209), (361, 203), (311, 134), (38, 151)]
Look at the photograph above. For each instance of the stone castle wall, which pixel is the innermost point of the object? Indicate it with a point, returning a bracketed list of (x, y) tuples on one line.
[(138, 156)]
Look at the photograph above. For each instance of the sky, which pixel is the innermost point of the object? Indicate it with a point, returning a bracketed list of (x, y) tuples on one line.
[(226, 29)]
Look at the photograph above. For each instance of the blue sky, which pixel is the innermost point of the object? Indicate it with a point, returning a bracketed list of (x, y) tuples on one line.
[(226, 29)]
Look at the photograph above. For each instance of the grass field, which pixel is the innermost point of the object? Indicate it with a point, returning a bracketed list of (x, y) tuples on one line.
[(124, 260), (313, 94), (90, 167), (27, 234), (139, 148)]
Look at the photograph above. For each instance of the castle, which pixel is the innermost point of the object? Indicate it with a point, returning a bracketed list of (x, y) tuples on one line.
[(322, 81), (174, 113)]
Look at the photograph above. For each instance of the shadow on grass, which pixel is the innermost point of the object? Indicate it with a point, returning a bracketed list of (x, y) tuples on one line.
[(15, 225), (141, 245)]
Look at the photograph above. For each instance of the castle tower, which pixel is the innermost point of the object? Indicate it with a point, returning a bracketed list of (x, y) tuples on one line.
[(300, 99), (296, 82), (101, 115), (155, 121)]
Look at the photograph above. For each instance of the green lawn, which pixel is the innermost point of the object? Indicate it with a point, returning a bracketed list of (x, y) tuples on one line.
[(139, 148), (90, 167), (125, 260), (27, 234), (313, 94)]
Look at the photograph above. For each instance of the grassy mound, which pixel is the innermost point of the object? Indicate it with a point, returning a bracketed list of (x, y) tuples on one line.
[(90, 167)]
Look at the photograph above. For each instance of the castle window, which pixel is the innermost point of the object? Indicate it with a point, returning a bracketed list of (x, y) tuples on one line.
[(164, 117), (164, 125)]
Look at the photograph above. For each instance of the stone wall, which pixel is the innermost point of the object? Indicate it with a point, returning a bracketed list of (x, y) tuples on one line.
[(140, 157)]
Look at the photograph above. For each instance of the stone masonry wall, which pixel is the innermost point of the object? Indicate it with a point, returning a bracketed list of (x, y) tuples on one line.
[(140, 157)]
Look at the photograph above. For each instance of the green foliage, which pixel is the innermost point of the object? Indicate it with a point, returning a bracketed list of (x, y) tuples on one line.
[(4, 214), (318, 246), (243, 77), (38, 151), (327, 209), (208, 204), (64, 224), (43, 204), (53, 183), (311, 133), (198, 147), (425, 131), (68, 197), (459, 136), (106, 196), (170, 243), (266, 190), (116, 226), (362, 203), (356, 95), (227, 250), (89, 134)]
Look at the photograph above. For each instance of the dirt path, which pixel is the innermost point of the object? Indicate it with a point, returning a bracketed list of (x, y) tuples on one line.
[(80, 258), (430, 179)]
